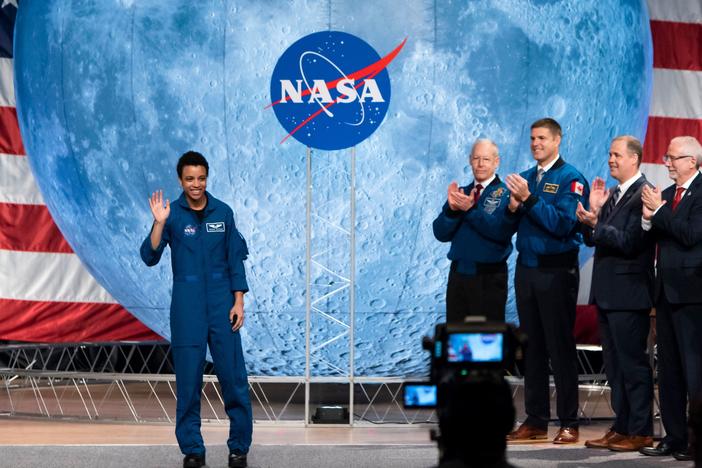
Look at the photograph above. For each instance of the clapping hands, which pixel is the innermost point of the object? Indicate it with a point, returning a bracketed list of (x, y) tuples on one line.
[(598, 195), (458, 200)]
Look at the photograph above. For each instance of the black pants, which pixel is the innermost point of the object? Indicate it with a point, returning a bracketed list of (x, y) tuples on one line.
[(624, 336), (679, 332), (546, 299), (484, 293)]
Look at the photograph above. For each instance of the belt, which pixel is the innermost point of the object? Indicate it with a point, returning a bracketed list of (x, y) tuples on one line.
[(565, 260), (484, 268), (215, 275)]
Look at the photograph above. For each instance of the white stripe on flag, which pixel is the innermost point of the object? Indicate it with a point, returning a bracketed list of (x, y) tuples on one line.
[(681, 11), (7, 83), (657, 174), (672, 94), (48, 277), (17, 184)]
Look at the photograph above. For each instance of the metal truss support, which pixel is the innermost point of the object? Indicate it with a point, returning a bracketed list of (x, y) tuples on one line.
[(330, 273), (73, 382)]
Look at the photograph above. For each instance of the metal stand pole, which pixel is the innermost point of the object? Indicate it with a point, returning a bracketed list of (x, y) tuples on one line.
[(308, 275), (352, 280)]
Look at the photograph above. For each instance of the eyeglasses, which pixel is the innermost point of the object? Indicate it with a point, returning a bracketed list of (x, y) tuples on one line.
[(669, 158)]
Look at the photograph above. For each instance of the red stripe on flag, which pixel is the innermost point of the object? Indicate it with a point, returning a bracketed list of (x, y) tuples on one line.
[(10, 138), (30, 228), (69, 322), (663, 129), (677, 46)]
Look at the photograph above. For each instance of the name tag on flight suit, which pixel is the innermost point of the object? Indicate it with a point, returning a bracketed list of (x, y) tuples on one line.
[(215, 227), (551, 188)]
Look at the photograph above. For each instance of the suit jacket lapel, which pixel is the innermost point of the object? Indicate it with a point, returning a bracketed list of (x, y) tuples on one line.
[(628, 195), (694, 187)]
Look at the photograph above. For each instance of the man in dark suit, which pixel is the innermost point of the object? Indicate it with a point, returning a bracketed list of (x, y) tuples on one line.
[(621, 287), (472, 219), (674, 218)]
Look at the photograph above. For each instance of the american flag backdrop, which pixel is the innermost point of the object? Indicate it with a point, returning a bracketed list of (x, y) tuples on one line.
[(46, 294), (676, 101)]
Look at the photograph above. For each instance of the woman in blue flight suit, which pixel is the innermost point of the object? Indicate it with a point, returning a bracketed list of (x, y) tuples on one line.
[(207, 305)]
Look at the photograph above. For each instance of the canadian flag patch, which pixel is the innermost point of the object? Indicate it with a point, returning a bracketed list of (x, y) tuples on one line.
[(576, 187)]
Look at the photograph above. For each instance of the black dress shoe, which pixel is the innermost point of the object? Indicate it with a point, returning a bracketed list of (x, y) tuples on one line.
[(194, 461), (683, 455), (660, 450), (237, 460)]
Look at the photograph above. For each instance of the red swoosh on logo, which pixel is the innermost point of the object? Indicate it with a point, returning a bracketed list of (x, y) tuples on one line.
[(366, 73)]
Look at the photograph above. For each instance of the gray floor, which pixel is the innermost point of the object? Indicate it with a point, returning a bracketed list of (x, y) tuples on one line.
[(264, 456)]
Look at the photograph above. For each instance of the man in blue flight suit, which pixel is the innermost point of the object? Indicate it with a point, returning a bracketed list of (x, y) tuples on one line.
[(207, 305), (543, 203), (472, 219)]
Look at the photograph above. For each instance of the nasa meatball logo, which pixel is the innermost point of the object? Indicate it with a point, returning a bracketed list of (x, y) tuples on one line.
[(331, 90), (190, 230)]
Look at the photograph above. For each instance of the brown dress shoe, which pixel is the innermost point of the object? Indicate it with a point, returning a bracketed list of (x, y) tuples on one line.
[(603, 442), (527, 433), (567, 435), (631, 443)]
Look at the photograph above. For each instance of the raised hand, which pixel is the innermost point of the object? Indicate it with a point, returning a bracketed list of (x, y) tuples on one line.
[(518, 187), (452, 188), (457, 199), (598, 184), (586, 217), (598, 195), (651, 198), (158, 209), (513, 203)]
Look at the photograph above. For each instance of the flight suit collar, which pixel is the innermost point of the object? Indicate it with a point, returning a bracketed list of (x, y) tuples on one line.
[(209, 208)]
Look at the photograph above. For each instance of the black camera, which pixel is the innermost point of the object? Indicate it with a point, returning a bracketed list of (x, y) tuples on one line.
[(461, 350), (468, 362), (464, 352)]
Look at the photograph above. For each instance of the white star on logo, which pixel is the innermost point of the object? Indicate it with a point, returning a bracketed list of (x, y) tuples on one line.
[(8, 2)]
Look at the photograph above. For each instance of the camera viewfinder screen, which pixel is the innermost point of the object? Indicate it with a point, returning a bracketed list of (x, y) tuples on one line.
[(475, 347), (420, 396)]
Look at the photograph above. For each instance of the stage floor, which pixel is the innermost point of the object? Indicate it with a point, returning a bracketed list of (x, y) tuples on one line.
[(48, 444), (43, 432)]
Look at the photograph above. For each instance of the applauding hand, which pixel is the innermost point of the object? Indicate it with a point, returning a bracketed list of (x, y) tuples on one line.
[(652, 200), (518, 187), (598, 195), (586, 217), (458, 200)]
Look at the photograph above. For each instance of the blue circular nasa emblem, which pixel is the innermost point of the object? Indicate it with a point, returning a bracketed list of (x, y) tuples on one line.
[(331, 90), (190, 230)]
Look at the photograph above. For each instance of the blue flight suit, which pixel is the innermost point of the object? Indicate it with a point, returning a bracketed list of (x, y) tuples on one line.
[(546, 288), (207, 259), (547, 221), (481, 242)]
